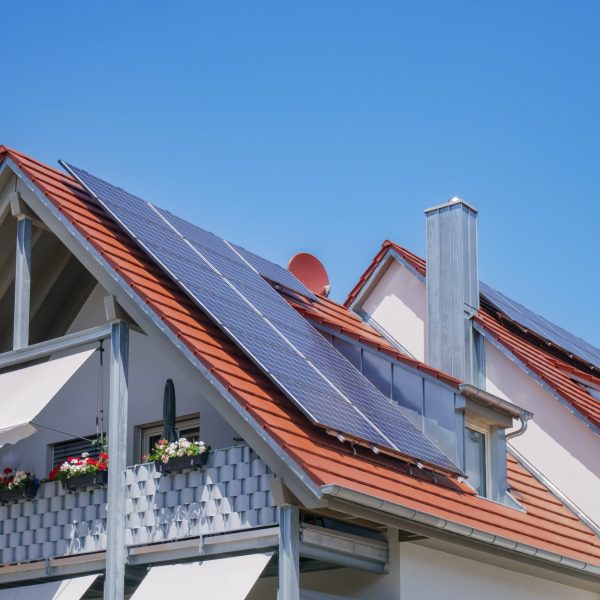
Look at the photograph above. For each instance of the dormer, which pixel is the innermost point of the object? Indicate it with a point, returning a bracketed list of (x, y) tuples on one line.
[(433, 321)]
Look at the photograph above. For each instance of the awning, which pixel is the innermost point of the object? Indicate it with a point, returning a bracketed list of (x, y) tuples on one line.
[(67, 589), (229, 578), (25, 392)]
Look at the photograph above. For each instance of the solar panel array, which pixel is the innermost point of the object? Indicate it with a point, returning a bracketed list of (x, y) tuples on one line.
[(274, 272), (530, 320), (218, 276)]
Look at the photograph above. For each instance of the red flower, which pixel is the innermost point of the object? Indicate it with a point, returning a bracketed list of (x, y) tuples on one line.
[(103, 456), (70, 459), (7, 470), (102, 466), (54, 473)]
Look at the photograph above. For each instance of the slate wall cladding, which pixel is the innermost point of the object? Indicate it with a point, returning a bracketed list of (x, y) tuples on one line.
[(232, 493)]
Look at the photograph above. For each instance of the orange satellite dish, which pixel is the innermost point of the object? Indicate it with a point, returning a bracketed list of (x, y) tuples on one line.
[(311, 272)]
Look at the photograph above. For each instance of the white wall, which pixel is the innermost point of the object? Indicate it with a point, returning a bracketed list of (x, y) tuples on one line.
[(420, 573), (398, 304), (152, 361), (557, 442), (427, 573)]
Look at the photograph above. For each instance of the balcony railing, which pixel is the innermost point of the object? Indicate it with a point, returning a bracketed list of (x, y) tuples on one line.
[(232, 493)]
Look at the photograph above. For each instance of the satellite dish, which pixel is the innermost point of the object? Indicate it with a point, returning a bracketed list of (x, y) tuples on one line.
[(310, 271)]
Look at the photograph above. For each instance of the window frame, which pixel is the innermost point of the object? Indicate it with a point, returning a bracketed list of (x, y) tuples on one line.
[(149, 430), (484, 429), (93, 450)]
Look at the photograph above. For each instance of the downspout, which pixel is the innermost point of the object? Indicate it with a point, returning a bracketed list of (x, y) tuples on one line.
[(524, 422)]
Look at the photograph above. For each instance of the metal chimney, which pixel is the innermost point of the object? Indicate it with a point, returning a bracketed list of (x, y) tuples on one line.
[(452, 289)]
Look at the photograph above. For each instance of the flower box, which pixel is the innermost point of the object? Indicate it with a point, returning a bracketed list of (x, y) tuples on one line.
[(27, 493), (85, 481), (179, 463)]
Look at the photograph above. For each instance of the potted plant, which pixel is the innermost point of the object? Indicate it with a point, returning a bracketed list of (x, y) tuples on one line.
[(178, 455), (15, 485), (84, 472)]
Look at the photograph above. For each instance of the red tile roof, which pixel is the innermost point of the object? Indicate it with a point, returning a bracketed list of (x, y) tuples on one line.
[(412, 259), (546, 525), (556, 373), (553, 366)]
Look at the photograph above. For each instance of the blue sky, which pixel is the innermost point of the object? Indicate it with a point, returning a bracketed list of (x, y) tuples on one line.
[(329, 126)]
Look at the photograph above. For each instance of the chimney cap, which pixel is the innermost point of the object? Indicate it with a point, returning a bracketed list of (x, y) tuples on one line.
[(452, 202)]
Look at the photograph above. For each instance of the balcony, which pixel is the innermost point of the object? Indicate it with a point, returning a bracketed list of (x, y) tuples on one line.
[(224, 511), (232, 493)]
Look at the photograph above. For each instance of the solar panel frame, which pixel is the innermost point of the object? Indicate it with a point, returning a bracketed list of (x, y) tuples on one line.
[(541, 326), (274, 336), (274, 272)]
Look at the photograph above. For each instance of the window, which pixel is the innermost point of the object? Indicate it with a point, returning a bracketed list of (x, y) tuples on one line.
[(477, 457), (63, 450), (187, 427)]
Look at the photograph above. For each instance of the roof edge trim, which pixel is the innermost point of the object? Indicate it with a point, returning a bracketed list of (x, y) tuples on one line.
[(491, 338), (397, 510), (504, 406), (581, 515), (356, 295)]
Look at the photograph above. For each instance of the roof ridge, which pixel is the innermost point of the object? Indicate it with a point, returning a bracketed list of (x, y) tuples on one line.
[(22, 156)]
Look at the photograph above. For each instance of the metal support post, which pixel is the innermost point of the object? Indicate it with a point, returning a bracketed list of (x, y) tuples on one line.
[(22, 283), (116, 551), (289, 554)]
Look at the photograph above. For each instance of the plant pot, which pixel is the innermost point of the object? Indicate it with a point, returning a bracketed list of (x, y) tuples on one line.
[(27, 493), (86, 481), (179, 463)]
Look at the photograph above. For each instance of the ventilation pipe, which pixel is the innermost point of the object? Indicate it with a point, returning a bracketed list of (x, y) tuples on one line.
[(452, 289)]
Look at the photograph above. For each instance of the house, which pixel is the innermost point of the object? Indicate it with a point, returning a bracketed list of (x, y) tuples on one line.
[(518, 355), (322, 482)]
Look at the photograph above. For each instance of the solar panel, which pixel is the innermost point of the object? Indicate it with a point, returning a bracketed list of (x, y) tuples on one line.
[(530, 320), (308, 369), (275, 272)]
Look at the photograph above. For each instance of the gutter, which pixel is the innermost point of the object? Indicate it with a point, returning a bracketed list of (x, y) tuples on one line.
[(504, 406), (451, 527)]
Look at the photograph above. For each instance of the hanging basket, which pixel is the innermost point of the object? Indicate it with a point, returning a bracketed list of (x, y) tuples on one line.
[(179, 463), (87, 481), (27, 493)]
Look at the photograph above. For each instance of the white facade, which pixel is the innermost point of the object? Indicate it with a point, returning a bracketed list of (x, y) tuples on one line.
[(72, 412), (231, 506), (557, 442), (398, 304), (417, 572)]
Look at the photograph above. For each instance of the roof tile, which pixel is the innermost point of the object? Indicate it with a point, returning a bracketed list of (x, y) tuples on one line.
[(547, 524), (553, 366)]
